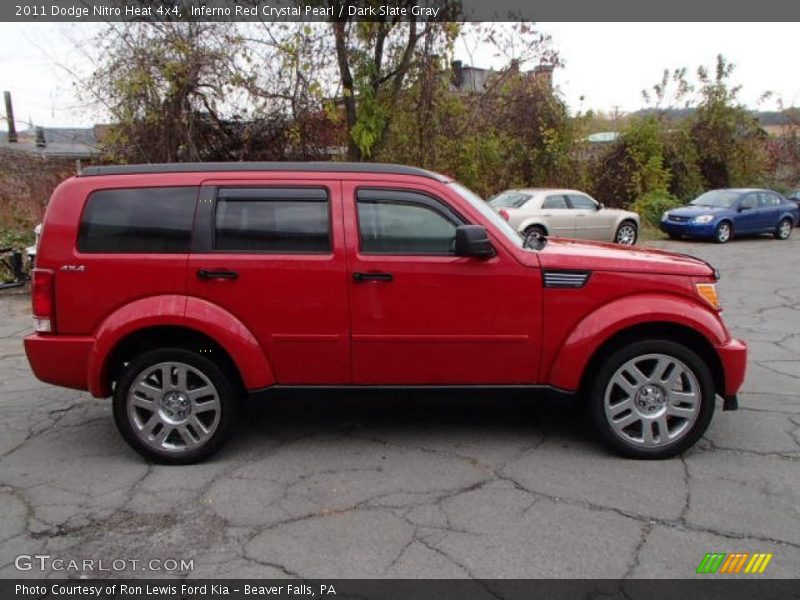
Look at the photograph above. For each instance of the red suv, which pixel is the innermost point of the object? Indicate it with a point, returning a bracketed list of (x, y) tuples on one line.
[(179, 289)]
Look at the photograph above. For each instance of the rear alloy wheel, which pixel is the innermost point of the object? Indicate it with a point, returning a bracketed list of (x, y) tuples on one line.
[(652, 399), (784, 229), (534, 229), (174, 406), (626, 234), (723, 233)]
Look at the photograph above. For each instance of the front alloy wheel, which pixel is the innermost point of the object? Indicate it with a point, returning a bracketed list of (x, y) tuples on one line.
[(173, 406), (653, 399), (723, 233), (626, 234)]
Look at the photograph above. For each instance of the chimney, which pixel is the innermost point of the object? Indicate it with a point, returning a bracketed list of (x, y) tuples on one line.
[(458, 73), (40, 141), (12, 128)]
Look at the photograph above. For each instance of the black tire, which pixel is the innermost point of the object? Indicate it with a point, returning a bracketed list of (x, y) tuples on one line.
[(226, 393), (534, 229), (674, 236), (635, 233), (784, 229), (596, 397), (724, 232)]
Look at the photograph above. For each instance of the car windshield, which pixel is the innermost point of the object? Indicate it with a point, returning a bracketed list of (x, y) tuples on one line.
[(717, 199), (488, 212), (509, 199)]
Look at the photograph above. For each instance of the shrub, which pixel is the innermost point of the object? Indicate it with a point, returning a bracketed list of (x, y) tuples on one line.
[(652, 205)]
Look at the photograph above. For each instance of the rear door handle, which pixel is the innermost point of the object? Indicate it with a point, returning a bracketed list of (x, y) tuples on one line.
[(362, 277), (218, 274)]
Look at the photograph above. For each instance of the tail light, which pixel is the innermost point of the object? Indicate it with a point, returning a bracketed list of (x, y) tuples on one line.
[(504, 213), (43, 300)]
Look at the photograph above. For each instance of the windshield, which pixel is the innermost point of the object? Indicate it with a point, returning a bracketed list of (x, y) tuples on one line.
[(510, 199), (717, 198), (488, 212)]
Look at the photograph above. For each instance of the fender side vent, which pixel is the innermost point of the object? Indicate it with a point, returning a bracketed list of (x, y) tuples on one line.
[(565, 279)]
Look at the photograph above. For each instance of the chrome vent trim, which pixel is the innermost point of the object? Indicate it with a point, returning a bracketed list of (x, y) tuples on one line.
[(565, 279)]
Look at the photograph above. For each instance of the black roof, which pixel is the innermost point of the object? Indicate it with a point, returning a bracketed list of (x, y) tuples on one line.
[(216, 167)]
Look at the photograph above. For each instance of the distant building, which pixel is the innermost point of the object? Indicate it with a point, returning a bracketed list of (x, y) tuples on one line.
[(466, 79), (55, 142)]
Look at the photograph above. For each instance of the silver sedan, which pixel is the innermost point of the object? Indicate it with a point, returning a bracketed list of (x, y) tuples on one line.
[(566, 213)]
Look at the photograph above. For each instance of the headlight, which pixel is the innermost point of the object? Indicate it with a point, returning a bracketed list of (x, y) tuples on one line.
[(708, 292), (704, 219), (665, 215)]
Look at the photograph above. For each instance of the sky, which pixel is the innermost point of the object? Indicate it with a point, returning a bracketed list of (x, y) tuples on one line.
[(606, 65)]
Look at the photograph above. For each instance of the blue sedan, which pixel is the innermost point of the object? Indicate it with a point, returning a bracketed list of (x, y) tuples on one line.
[(721, 214)]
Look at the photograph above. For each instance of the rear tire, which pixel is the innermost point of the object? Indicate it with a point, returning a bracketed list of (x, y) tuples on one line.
[(723, 233), (784, 229), (534, 229), (174, 406), (651, 399)]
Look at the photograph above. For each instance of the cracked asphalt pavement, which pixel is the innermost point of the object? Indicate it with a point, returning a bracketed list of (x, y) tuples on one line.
[(408, 486)]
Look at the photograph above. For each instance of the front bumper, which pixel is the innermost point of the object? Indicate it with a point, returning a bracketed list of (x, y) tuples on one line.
[(733, 357), (60, 359), (688, 228)]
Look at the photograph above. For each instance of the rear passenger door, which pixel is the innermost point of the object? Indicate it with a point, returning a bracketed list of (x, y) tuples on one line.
[(272, 254), (558, 217)]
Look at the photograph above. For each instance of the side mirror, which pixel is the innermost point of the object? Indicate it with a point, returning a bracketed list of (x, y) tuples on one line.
[(473, 240)]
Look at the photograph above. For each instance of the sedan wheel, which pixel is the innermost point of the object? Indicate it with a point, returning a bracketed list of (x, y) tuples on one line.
[(173, 406), (784, 229), (626, 234), (652, 399), (723, 233)]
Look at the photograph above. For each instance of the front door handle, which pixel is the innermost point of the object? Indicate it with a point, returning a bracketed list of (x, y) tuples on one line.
[(362, 277), (218, 274)]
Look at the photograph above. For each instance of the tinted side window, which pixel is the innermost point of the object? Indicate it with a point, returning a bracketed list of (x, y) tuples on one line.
[(769, 201), (397, 222), (749, 201), (555, 202), (152, 220), (273, 220), (582, 202)]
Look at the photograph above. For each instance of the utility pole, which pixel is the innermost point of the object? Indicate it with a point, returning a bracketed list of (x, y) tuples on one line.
[(12, 129)]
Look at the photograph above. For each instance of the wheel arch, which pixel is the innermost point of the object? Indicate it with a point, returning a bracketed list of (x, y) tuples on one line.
[(534, 221), (639, 316), (660, 330), (192, 321)]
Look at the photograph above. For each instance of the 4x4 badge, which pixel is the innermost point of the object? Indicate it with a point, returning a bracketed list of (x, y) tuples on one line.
[(78, 268)]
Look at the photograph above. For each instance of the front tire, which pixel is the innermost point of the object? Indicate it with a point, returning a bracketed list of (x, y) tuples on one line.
[(652, 399), (534, 229), (627, 233), (723, 233), (174, 406), (784, 229)]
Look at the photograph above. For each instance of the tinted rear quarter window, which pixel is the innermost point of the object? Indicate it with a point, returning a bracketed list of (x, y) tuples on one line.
[(139, 220), (273, 220)]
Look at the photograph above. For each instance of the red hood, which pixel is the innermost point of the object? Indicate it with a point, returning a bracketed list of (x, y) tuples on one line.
[(562, 253)]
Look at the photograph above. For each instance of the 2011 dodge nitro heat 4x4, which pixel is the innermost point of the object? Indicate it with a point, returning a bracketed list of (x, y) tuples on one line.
[(178, 289)]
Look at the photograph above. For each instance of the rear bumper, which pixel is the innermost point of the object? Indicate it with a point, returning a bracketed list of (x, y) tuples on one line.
[(688, 228), (60, 359), (733, 357)]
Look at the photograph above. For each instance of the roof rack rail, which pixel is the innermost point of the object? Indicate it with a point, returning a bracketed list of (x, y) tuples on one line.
[(306, 167)]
